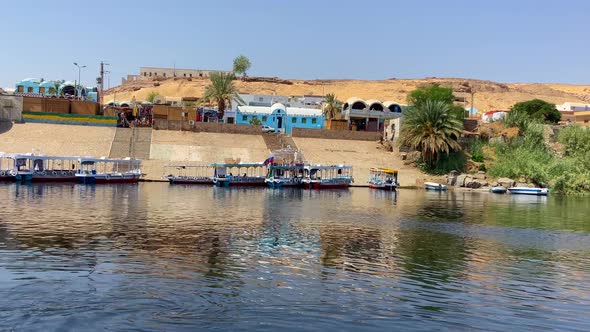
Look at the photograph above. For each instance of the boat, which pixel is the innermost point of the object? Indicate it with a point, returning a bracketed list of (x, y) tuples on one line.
[(327, 176), (248, 174), (190, 174), (435, 186), (280, 176), (529, 191), (383, 179), (41, 168), (7, 169), (104, 170), (498, 190)]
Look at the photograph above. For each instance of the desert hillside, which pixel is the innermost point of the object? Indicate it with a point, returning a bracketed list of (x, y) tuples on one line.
[(488, 95)]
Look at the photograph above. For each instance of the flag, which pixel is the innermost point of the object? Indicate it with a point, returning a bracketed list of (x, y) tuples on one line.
[(269, 160)]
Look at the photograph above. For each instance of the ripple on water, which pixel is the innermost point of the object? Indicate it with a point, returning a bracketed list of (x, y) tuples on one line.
[(159, 257)]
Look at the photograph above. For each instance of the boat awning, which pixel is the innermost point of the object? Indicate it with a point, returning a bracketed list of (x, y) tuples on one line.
[(384, 170)]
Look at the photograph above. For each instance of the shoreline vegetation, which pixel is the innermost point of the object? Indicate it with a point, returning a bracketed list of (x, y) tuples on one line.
[(527, 145)]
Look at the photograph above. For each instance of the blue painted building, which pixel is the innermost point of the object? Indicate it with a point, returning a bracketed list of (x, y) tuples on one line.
[(280, 117), (28, 85)]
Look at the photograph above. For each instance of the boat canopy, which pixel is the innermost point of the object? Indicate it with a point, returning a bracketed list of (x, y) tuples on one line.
[(237, 165), (384, 170)]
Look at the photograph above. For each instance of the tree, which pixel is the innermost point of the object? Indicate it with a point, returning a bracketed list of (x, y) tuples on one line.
[(221, 91), (56, 86), (151, 96), (331, 106), (538, 109), (435, 92), (431, 129), (241, 65), (255, 121)]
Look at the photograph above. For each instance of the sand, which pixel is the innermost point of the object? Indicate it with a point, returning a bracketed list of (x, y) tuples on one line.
[(488, 95)]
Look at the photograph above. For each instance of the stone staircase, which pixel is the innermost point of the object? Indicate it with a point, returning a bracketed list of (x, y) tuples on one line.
[(277, 141), (272, 141), (131, 142)]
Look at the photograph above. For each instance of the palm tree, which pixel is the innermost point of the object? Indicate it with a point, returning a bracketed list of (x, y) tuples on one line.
[(331, 106), (221, 91), (431, 129)]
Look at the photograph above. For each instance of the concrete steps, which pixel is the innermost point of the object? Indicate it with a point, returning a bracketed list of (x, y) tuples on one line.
[(287, 141), (272, 141), (130, 142)]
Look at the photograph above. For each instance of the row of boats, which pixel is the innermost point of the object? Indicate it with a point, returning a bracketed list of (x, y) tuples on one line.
[(496, 190), (30, 167), (277, 175)]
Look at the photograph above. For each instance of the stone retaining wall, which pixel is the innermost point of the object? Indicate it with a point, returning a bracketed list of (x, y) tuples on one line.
[(11, 108), (207, 127), (336, 134)]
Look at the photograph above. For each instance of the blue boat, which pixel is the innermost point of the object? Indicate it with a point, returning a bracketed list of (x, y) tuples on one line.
[(434, 186), (529, 191)]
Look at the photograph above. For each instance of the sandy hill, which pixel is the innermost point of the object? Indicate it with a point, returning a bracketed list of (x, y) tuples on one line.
[(488, 95)]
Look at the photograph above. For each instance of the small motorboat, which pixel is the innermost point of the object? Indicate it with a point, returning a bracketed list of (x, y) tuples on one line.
[(434, 186), (529, 191), (498, 190)]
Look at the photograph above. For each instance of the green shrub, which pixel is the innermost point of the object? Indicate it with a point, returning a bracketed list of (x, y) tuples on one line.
[(475, 148), (445, 163), (576, 140)]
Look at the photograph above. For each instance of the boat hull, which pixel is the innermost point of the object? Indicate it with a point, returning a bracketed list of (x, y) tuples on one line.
[(49, 177), (318, 185), (529, 191), (237, 183), (174, 180), (434, 186), (498, 190), (386, 187), (109, 179)]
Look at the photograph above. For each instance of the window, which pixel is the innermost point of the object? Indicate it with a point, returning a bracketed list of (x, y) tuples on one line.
[(30, 90), (303, 120), (260, 99), (293, 120), (184, 74), (264, 118), (191, 75), (145, 73), (244, 118), (314, 120), (41, 91), (150, 74), (164, 74), (20, 88), (200, 74)]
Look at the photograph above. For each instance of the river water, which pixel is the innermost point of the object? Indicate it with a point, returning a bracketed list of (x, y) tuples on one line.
[(182, 258)]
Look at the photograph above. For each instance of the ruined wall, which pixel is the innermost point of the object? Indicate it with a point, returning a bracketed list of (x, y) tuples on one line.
[(11, 108)]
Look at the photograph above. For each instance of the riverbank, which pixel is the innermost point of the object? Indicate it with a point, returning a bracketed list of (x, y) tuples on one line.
[(164, 147)]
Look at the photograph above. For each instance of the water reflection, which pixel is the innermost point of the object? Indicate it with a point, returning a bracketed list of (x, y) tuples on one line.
[(185, 257)]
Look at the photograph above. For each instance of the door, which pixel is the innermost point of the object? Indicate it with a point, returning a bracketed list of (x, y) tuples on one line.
[(279, 122)]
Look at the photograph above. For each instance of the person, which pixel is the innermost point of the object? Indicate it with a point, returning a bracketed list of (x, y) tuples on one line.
[(244, 174)]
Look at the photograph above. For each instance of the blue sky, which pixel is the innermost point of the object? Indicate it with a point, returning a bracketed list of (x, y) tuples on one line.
[(507, 41)]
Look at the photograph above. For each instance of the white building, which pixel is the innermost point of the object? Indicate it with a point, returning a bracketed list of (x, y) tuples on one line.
[(568, 107)]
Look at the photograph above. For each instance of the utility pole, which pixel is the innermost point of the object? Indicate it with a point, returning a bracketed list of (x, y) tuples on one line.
[(102, 64)]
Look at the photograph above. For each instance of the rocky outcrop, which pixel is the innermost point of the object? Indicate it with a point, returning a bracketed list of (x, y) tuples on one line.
[(505, 182)]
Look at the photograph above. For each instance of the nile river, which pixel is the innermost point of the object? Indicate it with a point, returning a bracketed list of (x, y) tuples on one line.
[(180, 258)]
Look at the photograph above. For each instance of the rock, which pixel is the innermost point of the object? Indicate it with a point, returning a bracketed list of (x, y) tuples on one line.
[(452, 178), (474, 184), (463, 179), (524, 184), (506, 182), (412, 157)]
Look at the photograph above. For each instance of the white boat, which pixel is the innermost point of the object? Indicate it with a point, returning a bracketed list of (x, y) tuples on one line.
[(434, 186), (103, 170), (7, 169), (41, 168), (529, 191), (254, 174), (280, 176), (327, 176)]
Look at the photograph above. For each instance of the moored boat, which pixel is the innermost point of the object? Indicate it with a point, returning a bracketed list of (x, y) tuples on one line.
[(280, 176), (248, 174), (41, 168), (383, 179), (434, 186), (104, 170), (190, 174), (498, 190), (7, 169), (529, 191), (327, 176)]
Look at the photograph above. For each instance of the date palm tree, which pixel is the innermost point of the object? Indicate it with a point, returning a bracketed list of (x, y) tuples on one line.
[(431, 129), (331, 106), (221, 91)]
